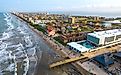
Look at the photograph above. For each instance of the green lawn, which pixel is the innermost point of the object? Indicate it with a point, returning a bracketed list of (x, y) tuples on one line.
[(116, 26), (86, 29), (38, 27), (59, 40)]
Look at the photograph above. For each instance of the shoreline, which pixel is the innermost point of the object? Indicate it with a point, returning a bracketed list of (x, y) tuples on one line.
[(58, 48)]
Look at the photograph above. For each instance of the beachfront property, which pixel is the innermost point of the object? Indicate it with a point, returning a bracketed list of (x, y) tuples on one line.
[(104, 37), (96, 39), (80, 46), (50, 30), (105, 64), (74, 30), (73, 37)]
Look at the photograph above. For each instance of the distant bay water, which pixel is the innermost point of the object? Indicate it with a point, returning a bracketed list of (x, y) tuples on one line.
[(78, 13)]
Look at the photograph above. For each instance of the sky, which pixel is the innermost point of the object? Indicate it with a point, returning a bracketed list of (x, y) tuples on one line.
[(61, 5)]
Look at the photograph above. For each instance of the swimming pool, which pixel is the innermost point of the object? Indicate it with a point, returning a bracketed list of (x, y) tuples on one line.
[(86, 44)]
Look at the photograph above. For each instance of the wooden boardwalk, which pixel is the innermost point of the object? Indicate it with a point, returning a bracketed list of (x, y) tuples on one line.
[(66, 61), (88, 55)]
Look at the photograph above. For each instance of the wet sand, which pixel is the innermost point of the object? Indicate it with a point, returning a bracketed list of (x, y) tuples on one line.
[(43, 69)]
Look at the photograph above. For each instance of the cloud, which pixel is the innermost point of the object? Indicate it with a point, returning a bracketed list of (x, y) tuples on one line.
[(62, 5), (93, 8)]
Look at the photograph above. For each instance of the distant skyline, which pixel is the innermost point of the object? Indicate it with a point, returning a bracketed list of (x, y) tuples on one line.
[(99, 6)]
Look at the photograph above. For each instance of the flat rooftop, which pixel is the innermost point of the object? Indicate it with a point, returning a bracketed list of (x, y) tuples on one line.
[(82, 46), (102, 60), (78, 46), (107, 33), (118, 54), (115, 21)]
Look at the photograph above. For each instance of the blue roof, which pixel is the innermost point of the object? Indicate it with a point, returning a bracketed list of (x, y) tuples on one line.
[(101, 60), (118, 54)]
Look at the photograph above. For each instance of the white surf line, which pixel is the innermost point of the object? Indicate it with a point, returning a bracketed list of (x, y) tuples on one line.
[(27, 65), (28, 41), (34, 51), (14, 58), (9, 23), (5, 36), (3, 56), (8, 19), (12, 65), (6, 15), (39, 56), (36, 58), (15, 73), (0, 41), (22, 31), (11, 46), (27, 61), (10, 56), (3, 45)]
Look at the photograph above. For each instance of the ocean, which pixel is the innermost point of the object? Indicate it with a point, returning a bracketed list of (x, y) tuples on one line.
[(18, 46), (23, 52)]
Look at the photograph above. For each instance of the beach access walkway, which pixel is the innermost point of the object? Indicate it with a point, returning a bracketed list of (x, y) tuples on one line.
[(88, 55)]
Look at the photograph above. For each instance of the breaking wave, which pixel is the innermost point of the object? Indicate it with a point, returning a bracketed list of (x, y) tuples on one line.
[(17, 47)]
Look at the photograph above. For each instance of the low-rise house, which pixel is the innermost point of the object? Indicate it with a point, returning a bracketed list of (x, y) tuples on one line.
[(50, 30), (38, 21)]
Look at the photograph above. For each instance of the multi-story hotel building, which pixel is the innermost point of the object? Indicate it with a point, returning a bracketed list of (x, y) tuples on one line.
[(96, 39), (71, 20), (104, 37)]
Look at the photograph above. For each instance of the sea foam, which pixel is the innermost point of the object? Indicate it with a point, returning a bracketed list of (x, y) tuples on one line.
[(8, 19), (11, 52)]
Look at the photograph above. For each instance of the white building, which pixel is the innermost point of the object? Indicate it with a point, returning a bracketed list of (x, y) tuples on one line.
[(104, 37), (115, 22), (96, 39), (38, 21), (109, 23), (106, 24), (81, 46), (76, 47)]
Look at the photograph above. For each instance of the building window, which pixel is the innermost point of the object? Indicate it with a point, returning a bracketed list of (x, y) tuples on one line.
[(75, 49), (118, 37), (93, 39), (109, 39), (70, 47)]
